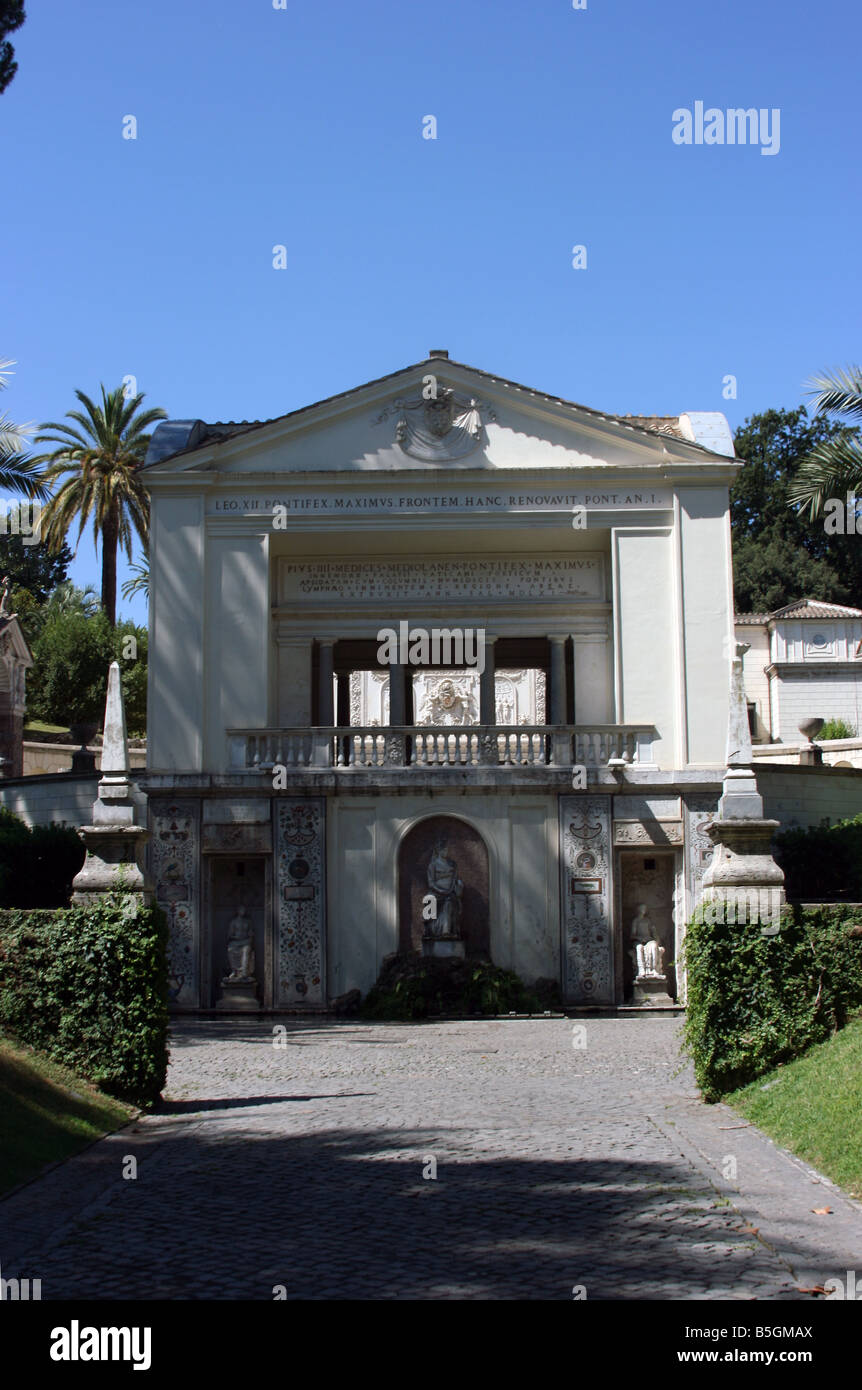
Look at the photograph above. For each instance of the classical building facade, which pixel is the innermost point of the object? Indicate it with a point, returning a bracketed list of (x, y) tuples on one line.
[(804, 662), (440, 656)]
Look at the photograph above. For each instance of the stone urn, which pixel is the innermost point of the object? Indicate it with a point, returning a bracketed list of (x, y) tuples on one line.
[(82, 759)]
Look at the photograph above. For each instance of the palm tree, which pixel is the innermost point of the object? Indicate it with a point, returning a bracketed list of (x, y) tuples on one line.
[(18, 472), (101, 463), (141, 582), (835, 466)]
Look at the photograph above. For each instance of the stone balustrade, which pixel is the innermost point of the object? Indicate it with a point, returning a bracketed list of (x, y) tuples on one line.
[(426, 746)]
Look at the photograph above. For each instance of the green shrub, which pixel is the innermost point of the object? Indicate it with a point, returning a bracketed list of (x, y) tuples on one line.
[(756, 1001), (835, 728), (88, 986), (414, 986), (37, 865), (823, 864)]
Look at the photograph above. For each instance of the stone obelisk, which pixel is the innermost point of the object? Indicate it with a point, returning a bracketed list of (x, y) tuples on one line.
[(114, 842)]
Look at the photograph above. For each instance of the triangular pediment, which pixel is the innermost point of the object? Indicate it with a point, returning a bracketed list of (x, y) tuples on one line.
[(434, 416)]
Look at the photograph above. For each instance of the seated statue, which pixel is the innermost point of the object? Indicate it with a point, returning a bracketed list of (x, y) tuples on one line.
[(240, 948), (647, 953)]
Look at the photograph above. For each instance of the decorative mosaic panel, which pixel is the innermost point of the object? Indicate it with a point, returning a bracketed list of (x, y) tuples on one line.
[(174, 867), (700, 811), (585, 860), (300, 837)]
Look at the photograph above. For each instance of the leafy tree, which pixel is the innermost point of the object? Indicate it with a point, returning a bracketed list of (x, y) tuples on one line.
[(18, 471), (834, 466), (68, 680), (12, 16), (31, 567), (778, 555), (100, 463)]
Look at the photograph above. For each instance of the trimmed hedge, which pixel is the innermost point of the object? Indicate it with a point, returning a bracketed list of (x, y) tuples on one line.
[(88, 986), (824, 863), (37, 865), (755, 1001)]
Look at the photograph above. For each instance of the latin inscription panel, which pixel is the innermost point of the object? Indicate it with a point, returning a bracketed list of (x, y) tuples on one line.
[(551, 577)]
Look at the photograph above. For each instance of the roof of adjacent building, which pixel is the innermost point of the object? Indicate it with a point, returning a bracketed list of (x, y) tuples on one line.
[(800, 608), (705, 430)]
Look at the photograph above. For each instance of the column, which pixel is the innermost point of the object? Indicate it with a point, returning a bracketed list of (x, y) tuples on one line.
[(557, 694), (397, 694), (325, 703), (487, 685)]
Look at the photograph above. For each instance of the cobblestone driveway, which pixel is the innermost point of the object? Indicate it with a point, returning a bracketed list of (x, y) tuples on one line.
[(302, 1166)]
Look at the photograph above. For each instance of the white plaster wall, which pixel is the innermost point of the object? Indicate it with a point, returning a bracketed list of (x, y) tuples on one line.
[(754, 665), (707, 620), (594, 696), (811, 693), (239, 642), (644, 612), (363, 840), (175, 698)]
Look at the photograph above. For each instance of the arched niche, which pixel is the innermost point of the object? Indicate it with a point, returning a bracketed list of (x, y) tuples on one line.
[(467, 848)]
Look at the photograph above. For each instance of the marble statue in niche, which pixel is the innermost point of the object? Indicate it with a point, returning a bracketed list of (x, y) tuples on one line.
[(647, 952), (240, 949), (442, 927)]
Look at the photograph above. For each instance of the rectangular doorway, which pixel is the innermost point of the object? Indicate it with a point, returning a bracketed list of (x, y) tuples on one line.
[(235, 881), (647, 876)]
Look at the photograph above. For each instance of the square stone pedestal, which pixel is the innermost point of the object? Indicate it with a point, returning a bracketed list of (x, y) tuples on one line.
[(443, 947), (238, 994), (651, 990)]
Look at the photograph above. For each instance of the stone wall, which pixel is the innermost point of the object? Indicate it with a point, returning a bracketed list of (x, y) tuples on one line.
[(805, 796), (40, 759), (60, 798)]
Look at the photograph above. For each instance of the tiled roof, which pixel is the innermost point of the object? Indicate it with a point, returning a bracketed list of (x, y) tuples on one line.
[(659, 424), (206, 433), (814, 608), (752, 619)]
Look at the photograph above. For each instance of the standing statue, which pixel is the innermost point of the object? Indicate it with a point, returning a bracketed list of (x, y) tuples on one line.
[(647, 952), (447, 887), (240, 948)]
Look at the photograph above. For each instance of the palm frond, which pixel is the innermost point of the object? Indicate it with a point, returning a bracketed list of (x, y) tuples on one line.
[(832, 468), (838, 391)]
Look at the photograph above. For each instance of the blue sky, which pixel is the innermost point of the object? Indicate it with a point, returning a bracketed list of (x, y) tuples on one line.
[(303, 127)]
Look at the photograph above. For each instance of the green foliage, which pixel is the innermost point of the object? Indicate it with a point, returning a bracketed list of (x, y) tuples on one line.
[(824, 863), (37, 865), (99, 459), (779, 556), (836, 728), (11, 18), (414, 986), (88, 987), (68, 680), (756, 1001), (32, 568)]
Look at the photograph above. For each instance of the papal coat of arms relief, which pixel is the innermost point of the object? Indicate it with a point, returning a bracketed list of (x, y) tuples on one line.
[(437, 424)]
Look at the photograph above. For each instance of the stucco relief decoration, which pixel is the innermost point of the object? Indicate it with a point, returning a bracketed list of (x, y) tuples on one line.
[(174, 852), (586, 850), (301, 908), (439, 425)]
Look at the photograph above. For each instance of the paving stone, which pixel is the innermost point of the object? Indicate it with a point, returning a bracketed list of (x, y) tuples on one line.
[(303, 1166)]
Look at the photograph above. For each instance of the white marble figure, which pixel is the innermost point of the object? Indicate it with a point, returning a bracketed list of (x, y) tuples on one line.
[(647, 953), (240, 948), (447, 887)]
